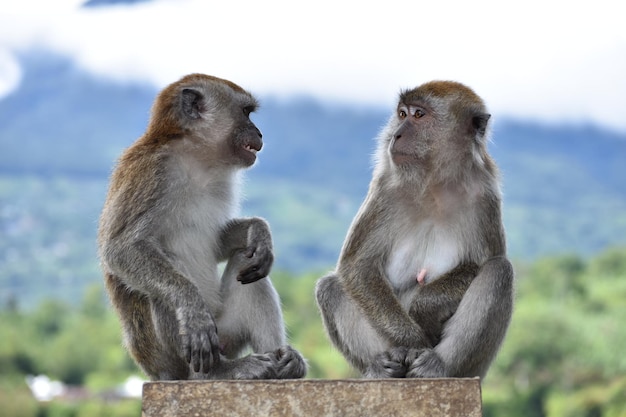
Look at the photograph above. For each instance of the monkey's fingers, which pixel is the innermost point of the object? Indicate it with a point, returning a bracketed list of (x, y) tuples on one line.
[(258, 265), (185, 346), (427, 365), (250, 275), (205, 351), (388, 364), (210, 357), (196, 354), (250, 272), (198, 337), (289, 363)]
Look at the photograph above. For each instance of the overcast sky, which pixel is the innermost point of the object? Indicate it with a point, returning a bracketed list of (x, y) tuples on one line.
[(556, 61)]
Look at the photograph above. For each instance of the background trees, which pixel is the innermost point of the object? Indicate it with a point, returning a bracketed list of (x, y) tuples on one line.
[(563, 355)]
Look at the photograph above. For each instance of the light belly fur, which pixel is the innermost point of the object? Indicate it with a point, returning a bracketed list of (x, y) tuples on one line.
[(194, 244), (432, 248)]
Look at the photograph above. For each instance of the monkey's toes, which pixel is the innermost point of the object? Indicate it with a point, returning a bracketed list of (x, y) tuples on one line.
[(388, 364), (257, 366), (289, 363), (427, 365)]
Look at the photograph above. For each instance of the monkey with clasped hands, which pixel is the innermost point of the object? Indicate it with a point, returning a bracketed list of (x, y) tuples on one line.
[(423, 287)]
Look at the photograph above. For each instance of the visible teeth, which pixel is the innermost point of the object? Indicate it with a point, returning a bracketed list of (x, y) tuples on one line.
[(249, 149)]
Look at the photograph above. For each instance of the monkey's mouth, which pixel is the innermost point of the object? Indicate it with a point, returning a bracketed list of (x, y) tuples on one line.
[(250, 149)]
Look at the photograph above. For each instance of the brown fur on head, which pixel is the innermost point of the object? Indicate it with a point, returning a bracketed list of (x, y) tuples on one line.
[(463, 101), (176, 104), (441, 89), (208, 118), (439, 130)]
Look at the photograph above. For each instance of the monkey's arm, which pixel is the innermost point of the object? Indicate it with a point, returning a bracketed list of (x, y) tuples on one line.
[(144, 268), (437, 301), (362, 273), (250, 240), (364, 281)]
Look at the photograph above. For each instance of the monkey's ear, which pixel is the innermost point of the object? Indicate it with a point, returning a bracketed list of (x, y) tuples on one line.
[(193, 103), (479, 123)]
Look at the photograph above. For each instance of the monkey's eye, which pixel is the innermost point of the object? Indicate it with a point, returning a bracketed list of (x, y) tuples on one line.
[(419, 113), (402, 114)]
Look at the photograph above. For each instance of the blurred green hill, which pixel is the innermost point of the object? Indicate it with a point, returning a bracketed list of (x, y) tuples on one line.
[(62, 129)]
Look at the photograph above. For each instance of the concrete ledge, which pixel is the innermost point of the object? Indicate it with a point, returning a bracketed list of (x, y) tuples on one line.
[(446, 397)]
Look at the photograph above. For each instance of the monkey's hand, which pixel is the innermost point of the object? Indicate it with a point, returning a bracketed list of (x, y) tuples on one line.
[(198, 335), (393, 363), (257, 258), (427, 365), (289, 363)]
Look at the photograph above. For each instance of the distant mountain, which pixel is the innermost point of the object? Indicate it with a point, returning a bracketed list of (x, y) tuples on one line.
[(62, 120), (564, 186)]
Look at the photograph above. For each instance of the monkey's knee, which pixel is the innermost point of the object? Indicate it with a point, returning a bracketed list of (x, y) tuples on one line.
[(498, 267), (154, 357), (328, 292), (496, 278)]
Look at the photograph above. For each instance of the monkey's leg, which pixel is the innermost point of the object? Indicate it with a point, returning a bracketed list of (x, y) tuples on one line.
[(434, 303), (353, 335), (159, 360), (251, 316), (472, 336)]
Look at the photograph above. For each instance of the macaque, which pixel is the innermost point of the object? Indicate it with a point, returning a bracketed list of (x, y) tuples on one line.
[(423, 287), (168, 221)]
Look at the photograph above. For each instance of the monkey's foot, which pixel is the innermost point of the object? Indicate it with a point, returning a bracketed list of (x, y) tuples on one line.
[(393, 363), (289, 363), (254, 366), (427, 365)]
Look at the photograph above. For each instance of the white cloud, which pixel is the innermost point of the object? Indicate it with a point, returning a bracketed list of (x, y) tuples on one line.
[(553, 60), (10, 74)]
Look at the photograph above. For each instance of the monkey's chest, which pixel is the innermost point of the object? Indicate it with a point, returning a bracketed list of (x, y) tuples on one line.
[(192, 236), (434, 250)]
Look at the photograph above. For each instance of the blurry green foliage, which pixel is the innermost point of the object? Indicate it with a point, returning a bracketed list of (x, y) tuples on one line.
[(563, 354)]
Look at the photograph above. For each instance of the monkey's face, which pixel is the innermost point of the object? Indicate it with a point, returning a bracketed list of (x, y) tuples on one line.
[(215, 113), (410, 141), (246, 139), (440, 124)]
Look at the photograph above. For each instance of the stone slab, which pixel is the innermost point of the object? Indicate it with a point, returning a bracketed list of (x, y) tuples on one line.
[(446, 397)]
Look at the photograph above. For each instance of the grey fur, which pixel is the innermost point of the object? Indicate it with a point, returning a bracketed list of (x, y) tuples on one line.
[(166, 224), (433, 203)]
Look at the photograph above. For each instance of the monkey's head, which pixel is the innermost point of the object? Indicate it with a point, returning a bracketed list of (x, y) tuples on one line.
[(212, 114), (436, 125)]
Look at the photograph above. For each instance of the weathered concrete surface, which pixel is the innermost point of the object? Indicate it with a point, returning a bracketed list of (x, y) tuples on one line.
[(447, 397)]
